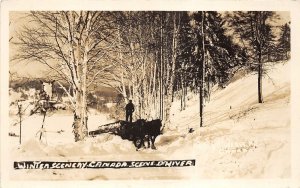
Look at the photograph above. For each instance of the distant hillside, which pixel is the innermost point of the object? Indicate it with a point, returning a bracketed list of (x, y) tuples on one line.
[(96, 98)]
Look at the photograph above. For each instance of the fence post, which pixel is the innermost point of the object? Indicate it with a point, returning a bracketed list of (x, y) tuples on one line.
[(43, 124), (20, 120)]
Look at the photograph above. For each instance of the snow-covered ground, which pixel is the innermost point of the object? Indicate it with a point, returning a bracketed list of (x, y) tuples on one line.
[(240, 138)]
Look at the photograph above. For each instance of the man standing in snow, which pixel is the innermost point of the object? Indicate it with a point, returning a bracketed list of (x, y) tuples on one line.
[(129, 110)]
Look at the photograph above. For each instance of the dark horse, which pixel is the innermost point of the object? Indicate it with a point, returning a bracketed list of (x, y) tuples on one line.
[(152, 130), (141, 131), (133, 131)]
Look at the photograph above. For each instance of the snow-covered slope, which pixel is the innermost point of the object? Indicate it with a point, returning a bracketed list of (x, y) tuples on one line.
[(240, 138)]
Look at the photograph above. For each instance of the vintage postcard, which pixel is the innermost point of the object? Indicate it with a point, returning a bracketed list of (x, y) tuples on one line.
[(150, 93)]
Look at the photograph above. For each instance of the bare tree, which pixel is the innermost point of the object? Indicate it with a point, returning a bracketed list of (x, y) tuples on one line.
[(73, 45), (175, 19), (134, 63)]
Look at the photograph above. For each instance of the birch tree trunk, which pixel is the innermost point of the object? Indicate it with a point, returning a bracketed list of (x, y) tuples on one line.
[(171, 70)]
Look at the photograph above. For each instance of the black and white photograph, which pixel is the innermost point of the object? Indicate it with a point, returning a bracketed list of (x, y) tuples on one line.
[(96, 94)]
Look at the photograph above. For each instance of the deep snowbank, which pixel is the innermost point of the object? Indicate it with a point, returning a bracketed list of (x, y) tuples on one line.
[(240, 138)]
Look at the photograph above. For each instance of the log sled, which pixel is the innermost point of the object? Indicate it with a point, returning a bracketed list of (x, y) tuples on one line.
[(136, 131), (112, 128)]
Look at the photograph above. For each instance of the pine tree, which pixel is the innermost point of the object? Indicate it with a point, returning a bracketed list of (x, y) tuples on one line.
[(214, 53), (285, 40), (254, 28)]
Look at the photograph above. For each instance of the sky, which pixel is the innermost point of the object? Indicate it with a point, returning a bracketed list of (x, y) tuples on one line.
[(24, 69), (38, 70)]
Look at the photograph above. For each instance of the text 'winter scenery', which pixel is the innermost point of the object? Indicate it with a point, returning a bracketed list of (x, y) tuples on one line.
[(101, 164)]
